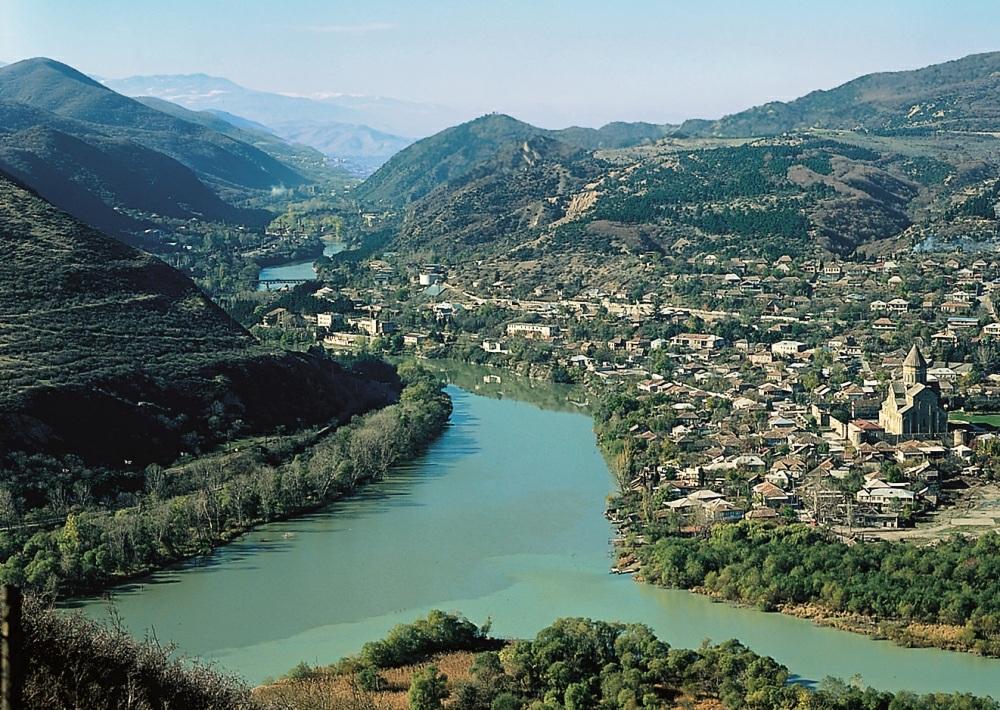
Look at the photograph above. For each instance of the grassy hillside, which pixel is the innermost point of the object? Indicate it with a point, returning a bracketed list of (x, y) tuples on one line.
[(961, 95), (110, 354)]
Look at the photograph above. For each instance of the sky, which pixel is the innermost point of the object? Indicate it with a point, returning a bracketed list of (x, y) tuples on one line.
[(551, 62)]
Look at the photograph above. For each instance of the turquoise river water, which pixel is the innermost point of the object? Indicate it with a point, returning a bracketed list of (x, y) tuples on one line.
[(500, 519)]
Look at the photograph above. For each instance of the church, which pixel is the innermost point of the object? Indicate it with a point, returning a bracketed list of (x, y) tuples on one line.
[(912, 407)]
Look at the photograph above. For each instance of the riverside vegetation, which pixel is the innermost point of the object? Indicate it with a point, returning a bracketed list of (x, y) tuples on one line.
[(573, 664), (189, 509), (945, 595)]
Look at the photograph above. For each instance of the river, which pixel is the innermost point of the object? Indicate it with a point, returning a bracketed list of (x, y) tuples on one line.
[(295, 270), (500, 519)]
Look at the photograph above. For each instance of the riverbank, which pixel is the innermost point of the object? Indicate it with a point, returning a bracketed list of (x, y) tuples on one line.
[(500, 518), (948, 637), (976, 633), (576, 662), (940, 595), (797, 571), (209, 502)]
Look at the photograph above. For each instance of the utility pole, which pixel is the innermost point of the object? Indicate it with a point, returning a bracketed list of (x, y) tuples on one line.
[(11, 648)]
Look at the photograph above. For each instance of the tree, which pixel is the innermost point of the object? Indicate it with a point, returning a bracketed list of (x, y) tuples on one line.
[(8, 507), (428, 689)]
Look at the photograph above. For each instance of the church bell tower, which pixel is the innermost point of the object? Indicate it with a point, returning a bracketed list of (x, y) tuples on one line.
[(914, 368)]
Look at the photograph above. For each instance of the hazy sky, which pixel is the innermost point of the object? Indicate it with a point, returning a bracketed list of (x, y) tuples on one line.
[(551, 62)]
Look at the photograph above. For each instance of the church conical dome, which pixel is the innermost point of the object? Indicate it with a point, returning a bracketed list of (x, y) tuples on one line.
[(915, 358)]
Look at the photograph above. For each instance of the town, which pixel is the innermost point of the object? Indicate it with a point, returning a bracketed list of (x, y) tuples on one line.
[(853, 395)]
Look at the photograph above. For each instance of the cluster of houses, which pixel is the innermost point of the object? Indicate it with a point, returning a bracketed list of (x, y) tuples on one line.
[(855, 455), (828, 414)]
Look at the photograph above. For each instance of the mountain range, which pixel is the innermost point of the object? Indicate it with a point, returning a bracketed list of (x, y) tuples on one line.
[(880, 162), (50, 86), (110, 354), (364, 131), (960, 95), (104, 157)]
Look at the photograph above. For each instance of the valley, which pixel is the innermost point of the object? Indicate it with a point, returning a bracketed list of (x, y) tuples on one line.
[(509, 502), (281, 374)]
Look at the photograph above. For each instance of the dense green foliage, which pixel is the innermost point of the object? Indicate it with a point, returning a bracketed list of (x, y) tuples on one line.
[(428, 690), (578, 663), (955, 582), (749, 191), (984, 204), (411, 643)]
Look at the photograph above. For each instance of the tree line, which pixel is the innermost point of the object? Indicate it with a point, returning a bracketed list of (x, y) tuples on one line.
[(955, 582), (183, 513), (579, 663)]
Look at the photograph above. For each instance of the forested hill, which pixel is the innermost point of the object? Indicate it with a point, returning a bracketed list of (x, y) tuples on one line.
[(110, 354), (442, 158), (103, 180), (961, 95)]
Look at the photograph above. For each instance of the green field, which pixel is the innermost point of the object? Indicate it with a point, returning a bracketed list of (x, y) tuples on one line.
[(991, 418)]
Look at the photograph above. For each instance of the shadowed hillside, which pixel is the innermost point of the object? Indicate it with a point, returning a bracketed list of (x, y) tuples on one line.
[(108, 353), (89, 174)]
